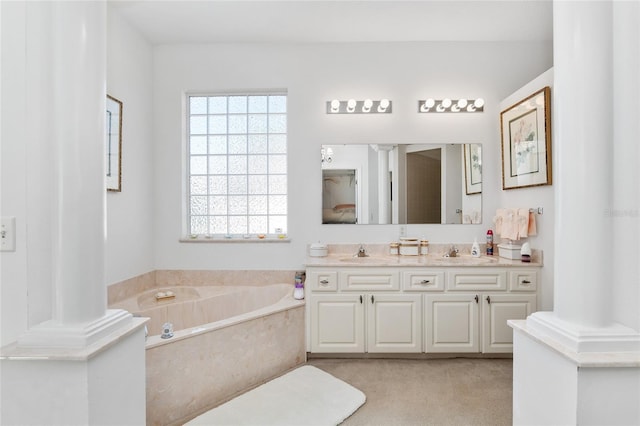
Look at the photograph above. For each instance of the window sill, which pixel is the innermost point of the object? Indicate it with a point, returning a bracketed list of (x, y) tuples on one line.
[(234, 240)]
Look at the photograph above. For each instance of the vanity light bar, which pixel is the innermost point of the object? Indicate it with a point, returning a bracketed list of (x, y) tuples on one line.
[(352, 106), (451, 105)]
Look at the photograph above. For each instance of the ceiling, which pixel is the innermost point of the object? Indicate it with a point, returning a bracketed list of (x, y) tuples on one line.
[(318, 21)]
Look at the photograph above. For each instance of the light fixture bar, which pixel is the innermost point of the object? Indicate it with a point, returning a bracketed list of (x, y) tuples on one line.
[(450, 105), (353, 106)]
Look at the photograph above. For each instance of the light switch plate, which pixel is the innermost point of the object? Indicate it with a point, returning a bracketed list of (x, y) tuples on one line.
[(8, 233)]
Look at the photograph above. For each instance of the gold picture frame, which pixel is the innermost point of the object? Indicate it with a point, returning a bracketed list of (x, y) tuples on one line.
[(113, 144), (526, 141)]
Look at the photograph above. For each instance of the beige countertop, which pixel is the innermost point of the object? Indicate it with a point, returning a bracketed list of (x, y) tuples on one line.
[(378, 255)]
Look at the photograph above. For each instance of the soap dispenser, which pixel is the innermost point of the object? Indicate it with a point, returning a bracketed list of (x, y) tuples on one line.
[(475, 248)]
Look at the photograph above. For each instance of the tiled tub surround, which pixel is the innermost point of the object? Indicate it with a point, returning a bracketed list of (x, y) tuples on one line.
[(240, 332)]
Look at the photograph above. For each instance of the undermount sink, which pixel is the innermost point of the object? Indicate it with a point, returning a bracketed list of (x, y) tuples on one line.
[(463, 259), (367, 259)]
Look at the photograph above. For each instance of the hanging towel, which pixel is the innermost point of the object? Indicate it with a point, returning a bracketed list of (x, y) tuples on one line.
[(532, 224), (523, 223), (510, 225), (498, 219)]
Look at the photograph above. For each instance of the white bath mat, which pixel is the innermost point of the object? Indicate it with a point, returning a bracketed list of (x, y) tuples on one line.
[(304, 396)]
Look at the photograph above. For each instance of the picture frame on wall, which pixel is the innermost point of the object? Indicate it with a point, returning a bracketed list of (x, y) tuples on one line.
[(473, 168), (114, 144), (526, 141)]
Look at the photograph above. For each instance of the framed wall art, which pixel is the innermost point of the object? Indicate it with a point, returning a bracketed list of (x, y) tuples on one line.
[(114, 144), (526, 141), (473, 168)]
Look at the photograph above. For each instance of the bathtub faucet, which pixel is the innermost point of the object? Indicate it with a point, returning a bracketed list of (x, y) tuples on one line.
[(167, 330)]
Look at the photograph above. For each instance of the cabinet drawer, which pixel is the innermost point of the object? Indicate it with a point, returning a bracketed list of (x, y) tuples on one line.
[(369, 279), (422, 280), (476, 279), (322, 281), (523, 280)]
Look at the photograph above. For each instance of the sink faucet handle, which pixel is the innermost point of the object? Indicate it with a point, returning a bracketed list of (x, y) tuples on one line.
[(361, 251)]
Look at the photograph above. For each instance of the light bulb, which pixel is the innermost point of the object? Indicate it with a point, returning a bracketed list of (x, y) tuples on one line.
[(446, 102), (366, 107), (462, 103), (351, 105), (479, 103), (429, 103), (335, 105), (384, 104)]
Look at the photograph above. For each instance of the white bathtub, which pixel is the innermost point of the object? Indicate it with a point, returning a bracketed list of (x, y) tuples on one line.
[(226, 339)]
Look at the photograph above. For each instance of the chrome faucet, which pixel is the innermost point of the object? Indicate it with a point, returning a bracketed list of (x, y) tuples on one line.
[(361, 252), (453, 252)]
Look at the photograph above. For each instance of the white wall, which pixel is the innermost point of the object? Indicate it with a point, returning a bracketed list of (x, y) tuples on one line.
[(129, 250), (534, 197), (26, 167), (313, 74)]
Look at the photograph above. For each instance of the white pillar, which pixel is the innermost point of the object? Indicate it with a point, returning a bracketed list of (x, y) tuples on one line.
[(79, 73), (78, 104), (581, 363), (583, 149), (384, 189)]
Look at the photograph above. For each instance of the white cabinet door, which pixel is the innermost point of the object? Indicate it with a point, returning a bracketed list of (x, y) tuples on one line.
[(497, 336), (394, 323), (451, 323), (337, 323)]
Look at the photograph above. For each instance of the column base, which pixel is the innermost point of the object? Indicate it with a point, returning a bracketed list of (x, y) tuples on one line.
[(51, 334), (553, 384), (103, 384), (615, 338)]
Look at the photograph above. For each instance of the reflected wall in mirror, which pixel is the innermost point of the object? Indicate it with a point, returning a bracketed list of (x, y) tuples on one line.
[(402, 184), (114, 144)]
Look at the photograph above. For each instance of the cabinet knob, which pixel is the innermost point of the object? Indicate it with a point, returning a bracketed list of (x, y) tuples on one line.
[(425, 282), (361, 299), (526, 282), (488, 300), (372, 298), (476, 298), (324, 282)]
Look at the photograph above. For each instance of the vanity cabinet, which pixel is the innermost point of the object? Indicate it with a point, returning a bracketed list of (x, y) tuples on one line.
[(360, 315), (412, 310), (473, 322)]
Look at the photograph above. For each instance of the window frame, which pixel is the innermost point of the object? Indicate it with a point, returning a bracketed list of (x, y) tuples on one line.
[(272, 233)]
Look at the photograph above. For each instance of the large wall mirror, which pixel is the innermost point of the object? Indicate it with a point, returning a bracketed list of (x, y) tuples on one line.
[(402, 184)]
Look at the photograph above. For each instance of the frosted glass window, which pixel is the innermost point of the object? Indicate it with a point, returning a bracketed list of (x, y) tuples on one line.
[(198, 185), (237, 166), (259, 104), (217, 144), (257, 144), (217, 124), (198, 125), (258, 184), (198, 165), (258, 123), (238, 144), (277, 144), (258, 164), (198, 105)]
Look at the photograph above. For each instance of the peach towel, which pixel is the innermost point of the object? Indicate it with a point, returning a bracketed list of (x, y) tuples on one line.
[(532, 224), (523, 223)]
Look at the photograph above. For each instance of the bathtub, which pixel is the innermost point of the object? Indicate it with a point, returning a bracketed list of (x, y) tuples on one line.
[(226, 339)]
